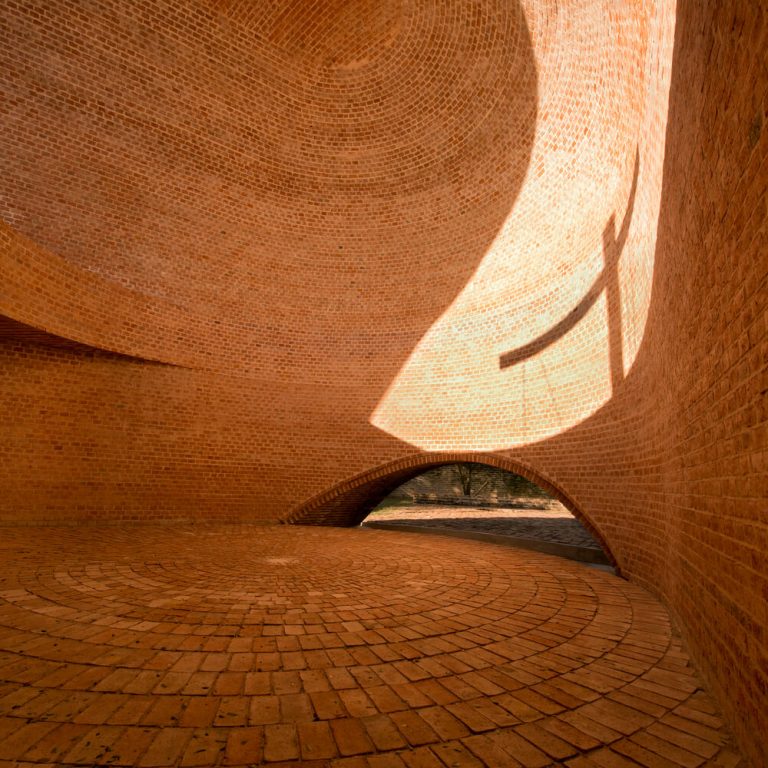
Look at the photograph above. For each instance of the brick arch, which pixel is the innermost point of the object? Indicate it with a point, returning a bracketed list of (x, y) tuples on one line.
[(349, 502)]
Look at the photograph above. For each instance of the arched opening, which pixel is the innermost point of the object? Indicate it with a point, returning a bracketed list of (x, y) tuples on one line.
[(350, 502), (475, 500)]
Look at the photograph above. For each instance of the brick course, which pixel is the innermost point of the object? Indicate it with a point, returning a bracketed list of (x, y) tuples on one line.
[(262, 265)]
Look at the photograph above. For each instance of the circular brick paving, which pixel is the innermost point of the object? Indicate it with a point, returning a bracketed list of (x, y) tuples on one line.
[(159, 646)]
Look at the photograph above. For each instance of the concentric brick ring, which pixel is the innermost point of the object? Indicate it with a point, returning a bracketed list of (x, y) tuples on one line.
[(238, 646)]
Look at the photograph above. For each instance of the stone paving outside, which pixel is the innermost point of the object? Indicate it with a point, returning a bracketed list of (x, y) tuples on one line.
[(346, 648), (549, 521)]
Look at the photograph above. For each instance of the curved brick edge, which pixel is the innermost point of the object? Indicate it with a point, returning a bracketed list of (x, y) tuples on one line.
[(41, 290), (349, 502), (21, 333)]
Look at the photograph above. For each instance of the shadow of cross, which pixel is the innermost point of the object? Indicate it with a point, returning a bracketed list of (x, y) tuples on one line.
[(608, 281)]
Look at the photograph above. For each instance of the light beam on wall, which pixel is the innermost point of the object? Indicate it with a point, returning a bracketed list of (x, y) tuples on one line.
[(460, 390)]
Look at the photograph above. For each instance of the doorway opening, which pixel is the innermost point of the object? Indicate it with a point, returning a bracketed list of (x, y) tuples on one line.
[(489, 503)]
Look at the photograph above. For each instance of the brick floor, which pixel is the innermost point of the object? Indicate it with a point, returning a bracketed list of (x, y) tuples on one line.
[(234, 646)]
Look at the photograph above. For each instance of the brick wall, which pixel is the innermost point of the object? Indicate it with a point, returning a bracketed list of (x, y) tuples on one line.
[(699, 479), (293, 272)]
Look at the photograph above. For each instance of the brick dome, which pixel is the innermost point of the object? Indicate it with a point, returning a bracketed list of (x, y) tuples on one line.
[(400, 200), (260, 261), (254, 181)]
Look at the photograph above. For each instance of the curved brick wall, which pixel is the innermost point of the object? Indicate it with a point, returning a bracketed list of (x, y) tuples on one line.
[(201, 163), (294, 248)]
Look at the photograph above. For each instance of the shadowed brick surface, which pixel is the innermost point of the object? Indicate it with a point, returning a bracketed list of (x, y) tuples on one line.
[(265, 260), (233, 646)]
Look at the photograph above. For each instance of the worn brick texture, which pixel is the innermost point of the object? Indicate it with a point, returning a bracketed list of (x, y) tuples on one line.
[(263, 263)]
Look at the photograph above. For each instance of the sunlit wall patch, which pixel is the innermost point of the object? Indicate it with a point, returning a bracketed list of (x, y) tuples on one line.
[(549, 325)]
